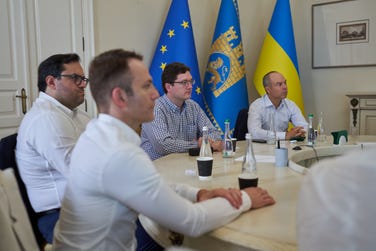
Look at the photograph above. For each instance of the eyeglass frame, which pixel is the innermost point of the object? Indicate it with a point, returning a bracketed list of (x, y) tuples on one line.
[(185, 82), (75, 77)]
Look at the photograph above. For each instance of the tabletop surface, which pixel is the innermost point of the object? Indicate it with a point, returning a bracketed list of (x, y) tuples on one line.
[(268, 228)]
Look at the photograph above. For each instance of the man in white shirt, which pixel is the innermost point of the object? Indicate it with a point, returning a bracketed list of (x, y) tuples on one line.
[(336, 206), (48, 134), (275, 104), (112, 179)]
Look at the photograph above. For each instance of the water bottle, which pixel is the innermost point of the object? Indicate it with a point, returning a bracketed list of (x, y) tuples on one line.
[(227, 149), (320, 129), (249, 161), (271, 133), (311, 131), (205, 150), (249, 176)]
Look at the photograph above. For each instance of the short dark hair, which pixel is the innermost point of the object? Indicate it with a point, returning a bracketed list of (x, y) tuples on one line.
[(171, 71), (53, 66), (266, 79), (109, 70)]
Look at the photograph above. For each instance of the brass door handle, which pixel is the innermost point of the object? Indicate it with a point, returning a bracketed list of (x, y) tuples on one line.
[(23, 98)]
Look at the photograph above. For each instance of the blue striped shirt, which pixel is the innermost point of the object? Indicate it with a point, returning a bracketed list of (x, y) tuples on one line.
[(174, 129)]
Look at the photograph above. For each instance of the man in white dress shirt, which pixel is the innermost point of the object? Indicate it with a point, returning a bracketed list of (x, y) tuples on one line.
[(336, 207), (48, 134), (113, 180), (274, 103)]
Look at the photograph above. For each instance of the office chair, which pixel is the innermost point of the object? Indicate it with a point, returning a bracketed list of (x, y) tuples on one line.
[(7, 160), (241, 124)]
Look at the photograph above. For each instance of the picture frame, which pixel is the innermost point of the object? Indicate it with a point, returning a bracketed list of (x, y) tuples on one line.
[(353, 32), (342, 34)]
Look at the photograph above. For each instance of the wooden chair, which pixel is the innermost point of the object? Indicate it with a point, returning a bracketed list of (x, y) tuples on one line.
[(8, 160)]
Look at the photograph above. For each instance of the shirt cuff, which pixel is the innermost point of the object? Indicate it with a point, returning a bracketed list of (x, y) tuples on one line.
[(281, 135), (247, 202)]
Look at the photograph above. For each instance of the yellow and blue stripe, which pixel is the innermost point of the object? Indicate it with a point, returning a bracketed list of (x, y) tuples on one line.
[(279, 53)]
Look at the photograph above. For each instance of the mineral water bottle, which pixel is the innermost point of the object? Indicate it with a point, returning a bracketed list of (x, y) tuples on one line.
[(311, 131), (249, 161), (227, 149), (205, 150), (320, 129), (271, 133), (248, 177)]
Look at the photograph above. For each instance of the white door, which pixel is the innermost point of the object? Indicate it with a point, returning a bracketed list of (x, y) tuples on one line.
[(34, 30), (14, 71)]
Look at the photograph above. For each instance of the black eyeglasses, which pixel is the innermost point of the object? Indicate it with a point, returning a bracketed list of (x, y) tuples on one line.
[(185, 82), (76, 78)]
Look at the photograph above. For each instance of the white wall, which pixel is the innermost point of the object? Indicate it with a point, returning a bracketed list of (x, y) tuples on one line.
[(136, 24)]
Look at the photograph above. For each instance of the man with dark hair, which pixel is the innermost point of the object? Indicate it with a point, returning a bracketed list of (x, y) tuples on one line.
[(274, 105), (179, 120), (48, 133), (113, 180)]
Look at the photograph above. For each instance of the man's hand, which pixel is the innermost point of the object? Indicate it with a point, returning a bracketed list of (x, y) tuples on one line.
[(217, 145), (295, 132), (233, 195), (199, 141), (259, 197)]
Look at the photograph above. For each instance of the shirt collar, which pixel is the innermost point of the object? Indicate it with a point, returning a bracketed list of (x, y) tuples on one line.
[(128, 132), (171, 105), (71, 113), (268, 102)]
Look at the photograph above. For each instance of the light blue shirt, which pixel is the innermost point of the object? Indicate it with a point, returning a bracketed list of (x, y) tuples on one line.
[(262, 108)]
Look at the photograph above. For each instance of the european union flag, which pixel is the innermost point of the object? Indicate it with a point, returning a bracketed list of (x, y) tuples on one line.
[(279, 53), (176, 44), (225, 88)]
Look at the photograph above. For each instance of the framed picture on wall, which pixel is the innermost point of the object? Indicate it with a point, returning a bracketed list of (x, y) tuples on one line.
[(353, 32), (342, 34)]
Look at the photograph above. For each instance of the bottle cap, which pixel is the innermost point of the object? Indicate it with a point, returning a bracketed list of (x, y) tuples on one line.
[(205, 128), (310, 115), (227, 121)]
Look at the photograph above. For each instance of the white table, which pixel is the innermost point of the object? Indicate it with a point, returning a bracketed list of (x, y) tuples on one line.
[(269, 228)]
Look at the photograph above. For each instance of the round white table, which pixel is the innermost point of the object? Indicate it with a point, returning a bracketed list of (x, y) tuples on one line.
[(268, 228)]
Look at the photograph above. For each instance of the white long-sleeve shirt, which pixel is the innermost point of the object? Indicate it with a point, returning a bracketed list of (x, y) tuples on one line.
[(112, 180), (259, 114), (336, 206), (45, 140)]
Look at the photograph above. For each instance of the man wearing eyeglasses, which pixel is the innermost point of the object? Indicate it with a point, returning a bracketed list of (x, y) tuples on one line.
[(179, 120), (113, 180), (48, 133)]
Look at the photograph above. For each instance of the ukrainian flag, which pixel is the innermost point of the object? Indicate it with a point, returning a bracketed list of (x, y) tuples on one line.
[(176, 44), (224, 87), (279, 53)]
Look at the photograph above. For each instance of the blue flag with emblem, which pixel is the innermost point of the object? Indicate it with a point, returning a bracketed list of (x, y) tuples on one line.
[(176, 44), (224, 86)]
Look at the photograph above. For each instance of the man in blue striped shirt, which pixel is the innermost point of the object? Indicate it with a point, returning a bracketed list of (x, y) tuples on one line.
[(179, 120)]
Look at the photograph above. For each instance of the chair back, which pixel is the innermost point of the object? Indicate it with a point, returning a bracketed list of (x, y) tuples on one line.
[(15, 228), (8, 160), (7, 156), (241, 127)]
